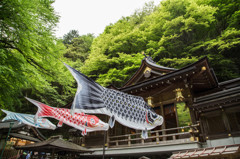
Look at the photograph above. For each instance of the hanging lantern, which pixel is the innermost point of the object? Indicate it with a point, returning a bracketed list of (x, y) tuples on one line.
[(150, 102), (179, 96)]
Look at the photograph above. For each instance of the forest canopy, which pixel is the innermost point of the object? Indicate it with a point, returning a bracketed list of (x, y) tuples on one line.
[(28, 52), (175, 33)]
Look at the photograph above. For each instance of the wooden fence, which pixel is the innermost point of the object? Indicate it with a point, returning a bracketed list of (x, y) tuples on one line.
[(173, 135)]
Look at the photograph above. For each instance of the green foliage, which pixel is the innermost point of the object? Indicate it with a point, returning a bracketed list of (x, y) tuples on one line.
[(122, 68), (67, 38), (185, 22), (11, 75), (139, 14), (183, 114), (79, 48), (115, 53), (28, 56), (174, 34), (177, 63), (116, 69)]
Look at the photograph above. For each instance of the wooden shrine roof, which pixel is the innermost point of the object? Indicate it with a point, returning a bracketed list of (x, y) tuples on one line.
[(54, 143), (199, 75), (24, 137), (227, 95), (147, 68), (6, 124), (17, 126)]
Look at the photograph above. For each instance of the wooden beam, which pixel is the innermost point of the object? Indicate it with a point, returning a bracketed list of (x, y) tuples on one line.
[(163, 90)]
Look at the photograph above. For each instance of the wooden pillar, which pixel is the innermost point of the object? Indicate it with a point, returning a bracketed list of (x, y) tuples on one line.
[(108, 139), (104, 142), (189, 101), (192, 115), (142, 141), (176, 113), (174, 137), (162, 113), (83, 141), (53, 153), (163, 125), (226, 121), (129, 140), (157, 137), (205, 126), (201, 131)]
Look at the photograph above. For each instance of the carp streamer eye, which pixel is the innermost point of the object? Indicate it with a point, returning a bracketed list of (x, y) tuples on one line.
[(153, 115), (92, 121)]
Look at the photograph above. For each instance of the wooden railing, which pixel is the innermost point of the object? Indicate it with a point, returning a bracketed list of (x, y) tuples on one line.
[(173, 135)]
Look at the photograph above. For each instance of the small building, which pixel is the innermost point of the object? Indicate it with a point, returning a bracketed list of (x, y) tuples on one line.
[(56, 147), (198, 111), (20, 134)]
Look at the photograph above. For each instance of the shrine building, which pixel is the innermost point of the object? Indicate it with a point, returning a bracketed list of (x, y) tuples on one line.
[(201, 115)]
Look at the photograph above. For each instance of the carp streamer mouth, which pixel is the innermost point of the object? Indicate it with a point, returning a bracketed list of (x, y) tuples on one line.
[(101, 125), (153, 118), (158, 121)]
